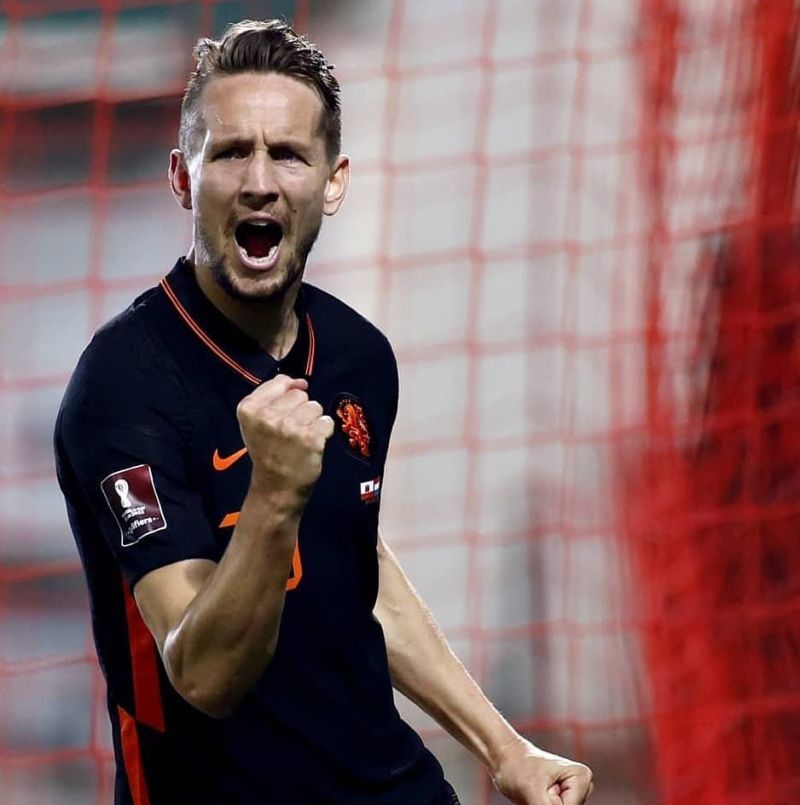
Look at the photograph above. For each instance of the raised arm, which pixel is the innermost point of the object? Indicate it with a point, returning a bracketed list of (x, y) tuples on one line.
[(424, 668), (217, 625)]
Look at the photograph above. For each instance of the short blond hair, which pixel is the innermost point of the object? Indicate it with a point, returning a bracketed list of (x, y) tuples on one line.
[(262, 46)]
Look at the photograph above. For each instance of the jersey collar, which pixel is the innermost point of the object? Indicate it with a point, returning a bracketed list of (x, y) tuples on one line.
[(230, 344)]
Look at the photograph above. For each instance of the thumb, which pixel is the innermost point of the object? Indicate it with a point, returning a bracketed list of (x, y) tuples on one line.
[(572, 797)]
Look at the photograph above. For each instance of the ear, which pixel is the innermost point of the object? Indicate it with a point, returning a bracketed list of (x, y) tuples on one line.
[(338, 182), (179, 179)]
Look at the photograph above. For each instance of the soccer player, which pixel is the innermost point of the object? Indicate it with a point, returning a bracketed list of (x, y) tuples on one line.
[(221, 446)]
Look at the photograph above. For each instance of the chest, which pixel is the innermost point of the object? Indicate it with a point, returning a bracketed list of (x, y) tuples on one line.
[(338, 530)]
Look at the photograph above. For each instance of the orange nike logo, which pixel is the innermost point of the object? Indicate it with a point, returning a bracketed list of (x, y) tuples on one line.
[(221, 463)]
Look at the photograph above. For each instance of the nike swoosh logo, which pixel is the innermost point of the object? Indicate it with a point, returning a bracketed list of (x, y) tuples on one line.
[(221, 463)]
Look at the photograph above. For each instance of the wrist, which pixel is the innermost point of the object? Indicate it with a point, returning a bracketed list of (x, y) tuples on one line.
[(281, 502), (506, 749)]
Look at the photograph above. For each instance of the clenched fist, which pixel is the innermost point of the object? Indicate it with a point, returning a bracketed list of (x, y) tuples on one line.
[(527, 775), (285, 434)]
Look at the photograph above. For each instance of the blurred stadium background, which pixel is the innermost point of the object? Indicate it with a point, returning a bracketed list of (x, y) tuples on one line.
[(575, 219)]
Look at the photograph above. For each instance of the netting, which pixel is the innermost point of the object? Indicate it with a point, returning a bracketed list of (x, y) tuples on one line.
[(715, 501), (562, 214)]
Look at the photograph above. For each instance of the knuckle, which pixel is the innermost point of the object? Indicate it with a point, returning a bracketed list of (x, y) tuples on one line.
[(314, 440), (276, 385), (294, 397), (309, 433), (270, 419), (285, 426)]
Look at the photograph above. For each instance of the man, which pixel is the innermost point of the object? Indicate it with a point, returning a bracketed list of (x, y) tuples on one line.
[(221, 447)]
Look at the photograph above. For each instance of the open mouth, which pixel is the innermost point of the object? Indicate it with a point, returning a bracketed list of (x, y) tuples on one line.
[(259, 240)]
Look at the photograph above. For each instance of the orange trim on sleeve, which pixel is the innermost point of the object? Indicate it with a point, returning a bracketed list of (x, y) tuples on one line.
[(195, 328), (144, 667), (132, 758)]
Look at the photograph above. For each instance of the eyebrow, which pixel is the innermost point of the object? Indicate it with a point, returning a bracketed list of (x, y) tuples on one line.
[(231, 141)]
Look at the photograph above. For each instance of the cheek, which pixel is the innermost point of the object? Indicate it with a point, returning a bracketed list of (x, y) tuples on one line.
[(217, 187), (308, 200), (211, 202), (304, 190)]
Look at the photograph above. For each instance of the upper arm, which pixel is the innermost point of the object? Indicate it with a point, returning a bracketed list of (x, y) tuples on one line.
[(131, 488), (125, 463), (163, 595)]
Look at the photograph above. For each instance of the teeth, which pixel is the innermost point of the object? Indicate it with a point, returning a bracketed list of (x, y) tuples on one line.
[(260, 222), (266, 259)]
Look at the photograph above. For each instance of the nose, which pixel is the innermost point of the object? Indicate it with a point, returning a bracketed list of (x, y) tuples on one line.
[(259, 185)]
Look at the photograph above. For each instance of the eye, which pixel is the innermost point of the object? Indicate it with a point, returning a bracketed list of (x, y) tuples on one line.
[(233, 152), (283, 153)]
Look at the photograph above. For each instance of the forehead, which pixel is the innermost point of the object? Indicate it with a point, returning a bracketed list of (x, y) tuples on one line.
[(270, 103)]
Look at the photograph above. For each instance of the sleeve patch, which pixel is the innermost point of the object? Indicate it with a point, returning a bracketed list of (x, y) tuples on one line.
[(131, 495)]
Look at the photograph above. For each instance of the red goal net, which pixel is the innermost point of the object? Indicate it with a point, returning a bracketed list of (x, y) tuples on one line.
[(575, 220), (713, 508)]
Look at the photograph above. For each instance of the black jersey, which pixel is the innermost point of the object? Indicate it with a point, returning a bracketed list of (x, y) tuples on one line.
[(154, 471)]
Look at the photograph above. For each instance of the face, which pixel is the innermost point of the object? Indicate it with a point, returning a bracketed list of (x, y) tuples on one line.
[(258, 183)]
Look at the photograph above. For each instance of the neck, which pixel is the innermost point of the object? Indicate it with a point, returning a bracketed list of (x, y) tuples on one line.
[(272, 323)]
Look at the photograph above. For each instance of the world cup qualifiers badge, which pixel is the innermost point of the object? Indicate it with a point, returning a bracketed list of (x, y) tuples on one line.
[(131, 495)]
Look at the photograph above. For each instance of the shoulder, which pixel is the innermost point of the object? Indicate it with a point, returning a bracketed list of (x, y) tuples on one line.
[(343, 329), (123, 376), (355, 352)]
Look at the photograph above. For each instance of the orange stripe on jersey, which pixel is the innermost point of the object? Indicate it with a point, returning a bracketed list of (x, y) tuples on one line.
[(297, 569), (232, 518), (195, 328), (229, 519), (312, 345), (132, 758), (144, 667)]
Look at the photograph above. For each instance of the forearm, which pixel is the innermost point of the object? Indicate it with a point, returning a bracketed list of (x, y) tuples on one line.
[(424, 668), (228, 633)]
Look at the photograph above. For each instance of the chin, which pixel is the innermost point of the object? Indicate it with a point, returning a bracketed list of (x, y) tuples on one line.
[(253, 287)]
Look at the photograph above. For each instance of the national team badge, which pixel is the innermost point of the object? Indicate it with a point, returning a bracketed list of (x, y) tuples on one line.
[(131, 495), (353, 424)]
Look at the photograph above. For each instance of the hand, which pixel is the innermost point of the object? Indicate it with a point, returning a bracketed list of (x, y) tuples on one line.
[(527, 775), (285, 434)]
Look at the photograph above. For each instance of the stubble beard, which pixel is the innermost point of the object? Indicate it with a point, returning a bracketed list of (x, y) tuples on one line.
[(226, 278)]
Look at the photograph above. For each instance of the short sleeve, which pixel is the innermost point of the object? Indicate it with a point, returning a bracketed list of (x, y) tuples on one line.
[(393, 383), (124, 466)]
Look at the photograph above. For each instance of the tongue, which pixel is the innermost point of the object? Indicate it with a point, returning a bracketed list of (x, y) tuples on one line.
[(257, 241)]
